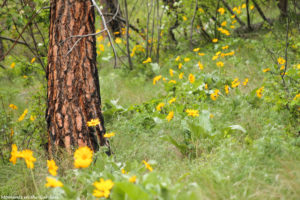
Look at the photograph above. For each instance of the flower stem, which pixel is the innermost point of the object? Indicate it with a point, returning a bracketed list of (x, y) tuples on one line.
[(34, 183)]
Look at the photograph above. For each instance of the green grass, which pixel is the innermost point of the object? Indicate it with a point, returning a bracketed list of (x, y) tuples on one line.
[(262, 163)]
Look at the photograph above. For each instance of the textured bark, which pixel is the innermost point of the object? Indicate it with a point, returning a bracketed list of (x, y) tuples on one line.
[(73, 85)]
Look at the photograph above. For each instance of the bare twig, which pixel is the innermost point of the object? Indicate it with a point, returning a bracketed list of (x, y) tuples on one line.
[(14, 44), (108, 33), (127, 36), (12, 40), (192, 24)]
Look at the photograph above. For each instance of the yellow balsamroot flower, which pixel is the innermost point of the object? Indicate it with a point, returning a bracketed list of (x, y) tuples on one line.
[(52, 182), (32, 60), (172, 81), (232, 26), (156, 79), (201, 10), (235, 83), (296, 97), (220, 64), (215, 57), (259, 92), (12, 106), (193, 113), (205, 86), (108, 135), (93, 122), (172, 100), (132, 179), (14, 154), (12, 65), (21, 118), (243, 5), (118, 40), (102, 188), (200, 65), (160, 106), (101, 47), (211, 116), (245, 82), (149, 60), (191, 78), (215, 40), (171, 72), (32, 117), (215, 95), (234, 21), (196, 50), (179, 65), (281, 61), (226, 89), (177, 58), (224, 31), (201, 54), (221, 11), (148, 166), (251, 7), (187, 59), (232, 16), (224, 23), (100, 38), (225, 47), (184, 18), (170, 116), (52, 167), (180, 76), (282, 67), (266, 70), (28, 157), (123, 171), (83, 157)]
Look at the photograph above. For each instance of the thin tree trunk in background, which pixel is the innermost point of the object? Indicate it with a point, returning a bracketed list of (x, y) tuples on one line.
[(127, 36), (73, 84), (261, 13), (283, 7), (248, 15), (192, 24), (216, 17), (113, 22)]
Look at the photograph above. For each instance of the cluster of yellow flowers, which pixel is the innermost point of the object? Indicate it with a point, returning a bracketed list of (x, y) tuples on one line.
[(25, 154), (224, 31), (156, 79), (102, 188), (235, 83), (215, 95), (12, 106), (193, 113), (137, 48), (191, 78), (259, 92), (160, 106)]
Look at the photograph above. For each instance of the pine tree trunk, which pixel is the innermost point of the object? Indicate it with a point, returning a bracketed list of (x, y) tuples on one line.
[(73, 85)]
